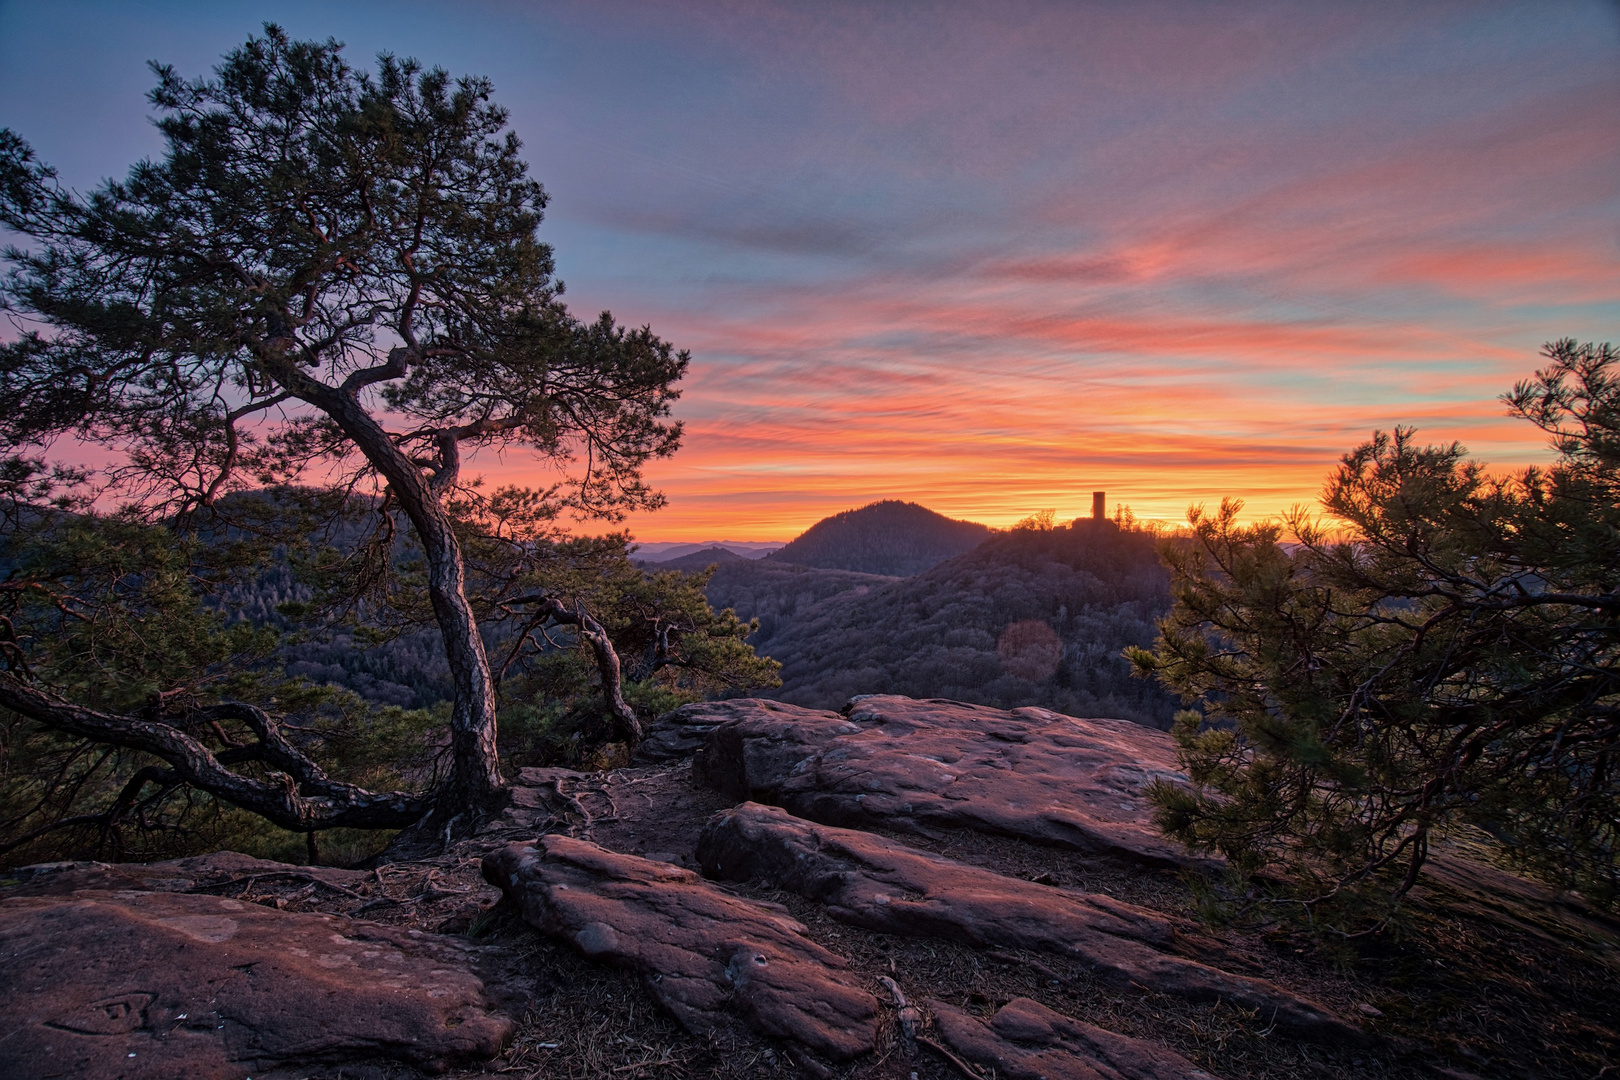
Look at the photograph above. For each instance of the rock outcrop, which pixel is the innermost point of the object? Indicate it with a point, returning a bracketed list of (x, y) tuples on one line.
[(135, 971), (882, 885), (703, 953), (684, 731), (897, 763), (1027, 1041), (171, 875), (151, 986)]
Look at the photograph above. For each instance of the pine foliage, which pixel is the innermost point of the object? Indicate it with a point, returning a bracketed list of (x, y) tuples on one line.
[(1441, 652)]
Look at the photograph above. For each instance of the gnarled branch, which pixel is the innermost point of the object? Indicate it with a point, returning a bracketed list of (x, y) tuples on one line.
[(626, 726), (298, 796)]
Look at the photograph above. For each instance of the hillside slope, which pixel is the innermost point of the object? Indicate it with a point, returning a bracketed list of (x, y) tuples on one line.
[(664, 551), (889, 537), (778, 593), (940, 633), (698, 560)]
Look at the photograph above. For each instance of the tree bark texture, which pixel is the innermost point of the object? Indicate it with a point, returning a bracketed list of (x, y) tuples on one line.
[(476, 780)]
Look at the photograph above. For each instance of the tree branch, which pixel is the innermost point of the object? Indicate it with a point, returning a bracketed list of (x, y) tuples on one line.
[(300, 798), (397, 366), (626, 726)]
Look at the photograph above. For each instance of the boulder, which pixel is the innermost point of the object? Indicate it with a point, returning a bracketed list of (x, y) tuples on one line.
[(704, 953), (683, 731), (150, 986), (886, 886), (897, 763), (1027, 1041)]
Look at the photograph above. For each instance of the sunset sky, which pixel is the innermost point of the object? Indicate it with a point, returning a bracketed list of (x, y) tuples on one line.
[(991, 257)]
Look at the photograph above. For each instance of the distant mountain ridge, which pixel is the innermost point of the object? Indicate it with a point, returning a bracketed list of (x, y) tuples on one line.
[(664, 551), (890, 537), (1091, 588), (698, 560)]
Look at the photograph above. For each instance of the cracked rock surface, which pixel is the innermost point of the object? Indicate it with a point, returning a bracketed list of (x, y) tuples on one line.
[(898, 763), (151, 986), (1025, 1040), (882, 885), (705, 954)]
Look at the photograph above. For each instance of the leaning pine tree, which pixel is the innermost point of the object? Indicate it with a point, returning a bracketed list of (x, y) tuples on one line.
[(1448, 653), (328, 273)]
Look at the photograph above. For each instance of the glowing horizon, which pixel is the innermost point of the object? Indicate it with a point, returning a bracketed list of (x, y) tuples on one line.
[(992, 258)]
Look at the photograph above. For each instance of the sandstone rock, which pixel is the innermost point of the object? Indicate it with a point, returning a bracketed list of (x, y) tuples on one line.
[(885, 886), (170, 875), (151, 986), (539, 800), (762, 744), (703, 952), (917, 765), (1027, 1041), (682, 732)]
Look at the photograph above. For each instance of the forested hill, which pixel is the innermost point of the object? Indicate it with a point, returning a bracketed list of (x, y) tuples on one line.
[(777, 594), (938, 633), (888, 537), (698, 560), (945, 632)]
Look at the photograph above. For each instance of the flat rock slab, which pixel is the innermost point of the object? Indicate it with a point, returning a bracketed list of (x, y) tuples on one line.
[(151, 986), (1027, 1041), (170, 875), (886, 886), (907, 764), (705, 954)]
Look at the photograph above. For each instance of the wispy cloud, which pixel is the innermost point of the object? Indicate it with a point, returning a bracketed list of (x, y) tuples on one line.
[(993, 257)]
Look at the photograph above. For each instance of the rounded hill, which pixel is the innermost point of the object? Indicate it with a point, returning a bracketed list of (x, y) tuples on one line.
[(889, 537)]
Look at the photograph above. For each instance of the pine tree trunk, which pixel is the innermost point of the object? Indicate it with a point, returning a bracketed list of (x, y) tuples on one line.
[(475, 782), (476, 776)]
